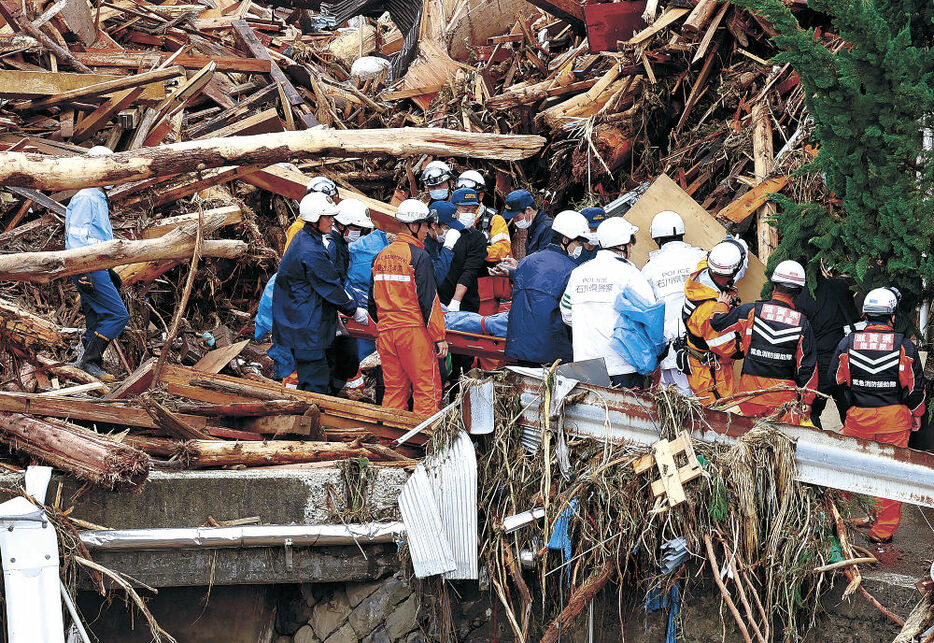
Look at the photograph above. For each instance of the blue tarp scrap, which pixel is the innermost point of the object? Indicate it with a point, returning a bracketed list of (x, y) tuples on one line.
[(560, 540), (656, 600), (639, 335)]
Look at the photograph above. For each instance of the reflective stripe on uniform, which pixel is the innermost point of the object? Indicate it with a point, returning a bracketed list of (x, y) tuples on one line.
[(392, 278), (722, 339), (502, 236)]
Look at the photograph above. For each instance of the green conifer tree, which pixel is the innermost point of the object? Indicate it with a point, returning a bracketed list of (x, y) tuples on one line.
[(869, 102)]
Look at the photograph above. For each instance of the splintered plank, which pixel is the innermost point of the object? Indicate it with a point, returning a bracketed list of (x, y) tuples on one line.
[(100, 117), (135, 59), (33, 84), (217, 359), (743, 207)]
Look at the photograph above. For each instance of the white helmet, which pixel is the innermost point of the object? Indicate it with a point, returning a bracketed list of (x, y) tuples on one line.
[(412, 211), (471, 179), (789, 273), (100, 150), (321, 184), (616, 231), (571, 224), (436, 173), (725, 258), (880, 301), (316, 205), (353, 212), (666, 223)]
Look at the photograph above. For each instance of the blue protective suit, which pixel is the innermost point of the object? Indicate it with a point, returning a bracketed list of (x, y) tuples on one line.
[(307, 296), (441, 258), (535, 332), (87, 223), (339, 252), (539, 236), (360, 274), (87, 219), (283, 363)]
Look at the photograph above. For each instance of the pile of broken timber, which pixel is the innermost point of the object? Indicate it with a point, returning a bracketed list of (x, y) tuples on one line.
[(191, 418)]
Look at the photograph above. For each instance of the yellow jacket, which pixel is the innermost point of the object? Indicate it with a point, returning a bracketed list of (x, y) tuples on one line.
[(500, 245)]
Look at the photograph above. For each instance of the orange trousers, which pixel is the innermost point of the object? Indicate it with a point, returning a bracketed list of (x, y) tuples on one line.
[(889, 425), (410, 369)]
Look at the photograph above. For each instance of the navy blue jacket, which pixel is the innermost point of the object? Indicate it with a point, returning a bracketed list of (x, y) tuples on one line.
[(339, 252), (539, 236), (536, 332), (307, 295)]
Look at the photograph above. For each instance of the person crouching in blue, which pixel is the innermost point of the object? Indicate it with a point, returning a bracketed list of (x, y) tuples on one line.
[(308, 295), (87, 223)]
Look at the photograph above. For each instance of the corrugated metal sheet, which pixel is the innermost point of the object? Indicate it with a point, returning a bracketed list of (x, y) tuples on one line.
[(454, 481), (824, 458), (428, 545)]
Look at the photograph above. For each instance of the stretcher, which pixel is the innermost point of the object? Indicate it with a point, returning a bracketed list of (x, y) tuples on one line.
[(461, 343)]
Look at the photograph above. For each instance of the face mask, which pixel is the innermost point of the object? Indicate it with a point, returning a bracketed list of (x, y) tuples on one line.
[(522, 224), (438, 195), (576, 252), (467, 218), (351, 236)]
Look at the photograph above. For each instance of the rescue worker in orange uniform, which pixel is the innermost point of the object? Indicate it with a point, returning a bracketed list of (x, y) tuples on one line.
[(706, 356), (779, 348), (879, 372), (410, 325)]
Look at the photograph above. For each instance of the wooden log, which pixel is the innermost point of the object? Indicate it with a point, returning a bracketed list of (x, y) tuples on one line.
[(170, 422), (75, 450), (232, 214), (280, 425), (200, 454), (764, 160), (162, 447), (57, 173), (104, 88), (26, 329), (43, 267)]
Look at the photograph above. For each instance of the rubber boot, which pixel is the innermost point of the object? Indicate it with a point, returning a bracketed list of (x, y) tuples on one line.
[(93, 358)]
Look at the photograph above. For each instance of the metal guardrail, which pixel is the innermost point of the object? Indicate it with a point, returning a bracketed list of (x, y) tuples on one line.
[(824, 458)]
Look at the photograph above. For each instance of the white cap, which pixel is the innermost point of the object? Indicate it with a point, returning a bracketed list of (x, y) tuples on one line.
[(789, 273), (321, 184), (471, 179), (725, 258), (100, 150), (411, 211), (316, 205), (666, 223), (571, 224), (880, 301), (353, 212), (615, 231)]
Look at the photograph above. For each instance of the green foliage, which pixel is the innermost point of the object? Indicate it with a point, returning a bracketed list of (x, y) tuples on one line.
[(869, 102)]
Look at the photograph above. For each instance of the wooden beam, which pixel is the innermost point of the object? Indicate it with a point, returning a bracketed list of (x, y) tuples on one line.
[(264, 122), (570, 11), (136, 59), (100, 117), (104, 88), (37, 171), (742, 208), (232, 214), (200, 454), (32, 84)]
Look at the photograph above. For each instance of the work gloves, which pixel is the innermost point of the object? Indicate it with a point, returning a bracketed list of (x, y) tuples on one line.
[(451, 237), (361, 317)]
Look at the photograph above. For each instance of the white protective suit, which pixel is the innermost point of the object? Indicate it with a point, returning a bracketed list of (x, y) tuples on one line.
[(587, 307), (667, 270)]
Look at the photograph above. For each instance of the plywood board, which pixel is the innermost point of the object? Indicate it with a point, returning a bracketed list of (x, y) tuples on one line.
[(702, 229)]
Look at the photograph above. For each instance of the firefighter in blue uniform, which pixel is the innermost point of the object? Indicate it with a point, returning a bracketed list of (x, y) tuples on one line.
[(308, 295), (87, 223)]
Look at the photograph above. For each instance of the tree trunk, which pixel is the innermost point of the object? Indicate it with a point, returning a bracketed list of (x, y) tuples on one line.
[(19, 169), (43, 267), (76, 450), (201, 453)]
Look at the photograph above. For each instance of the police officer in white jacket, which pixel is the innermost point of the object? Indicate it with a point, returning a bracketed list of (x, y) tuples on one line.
[(587, 305), (667, 270)]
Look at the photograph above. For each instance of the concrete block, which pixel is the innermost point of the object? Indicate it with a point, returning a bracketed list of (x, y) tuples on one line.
[(356, 592), (344, 634), (305, 635), (403, 618), (375, 608), (328, 617)]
